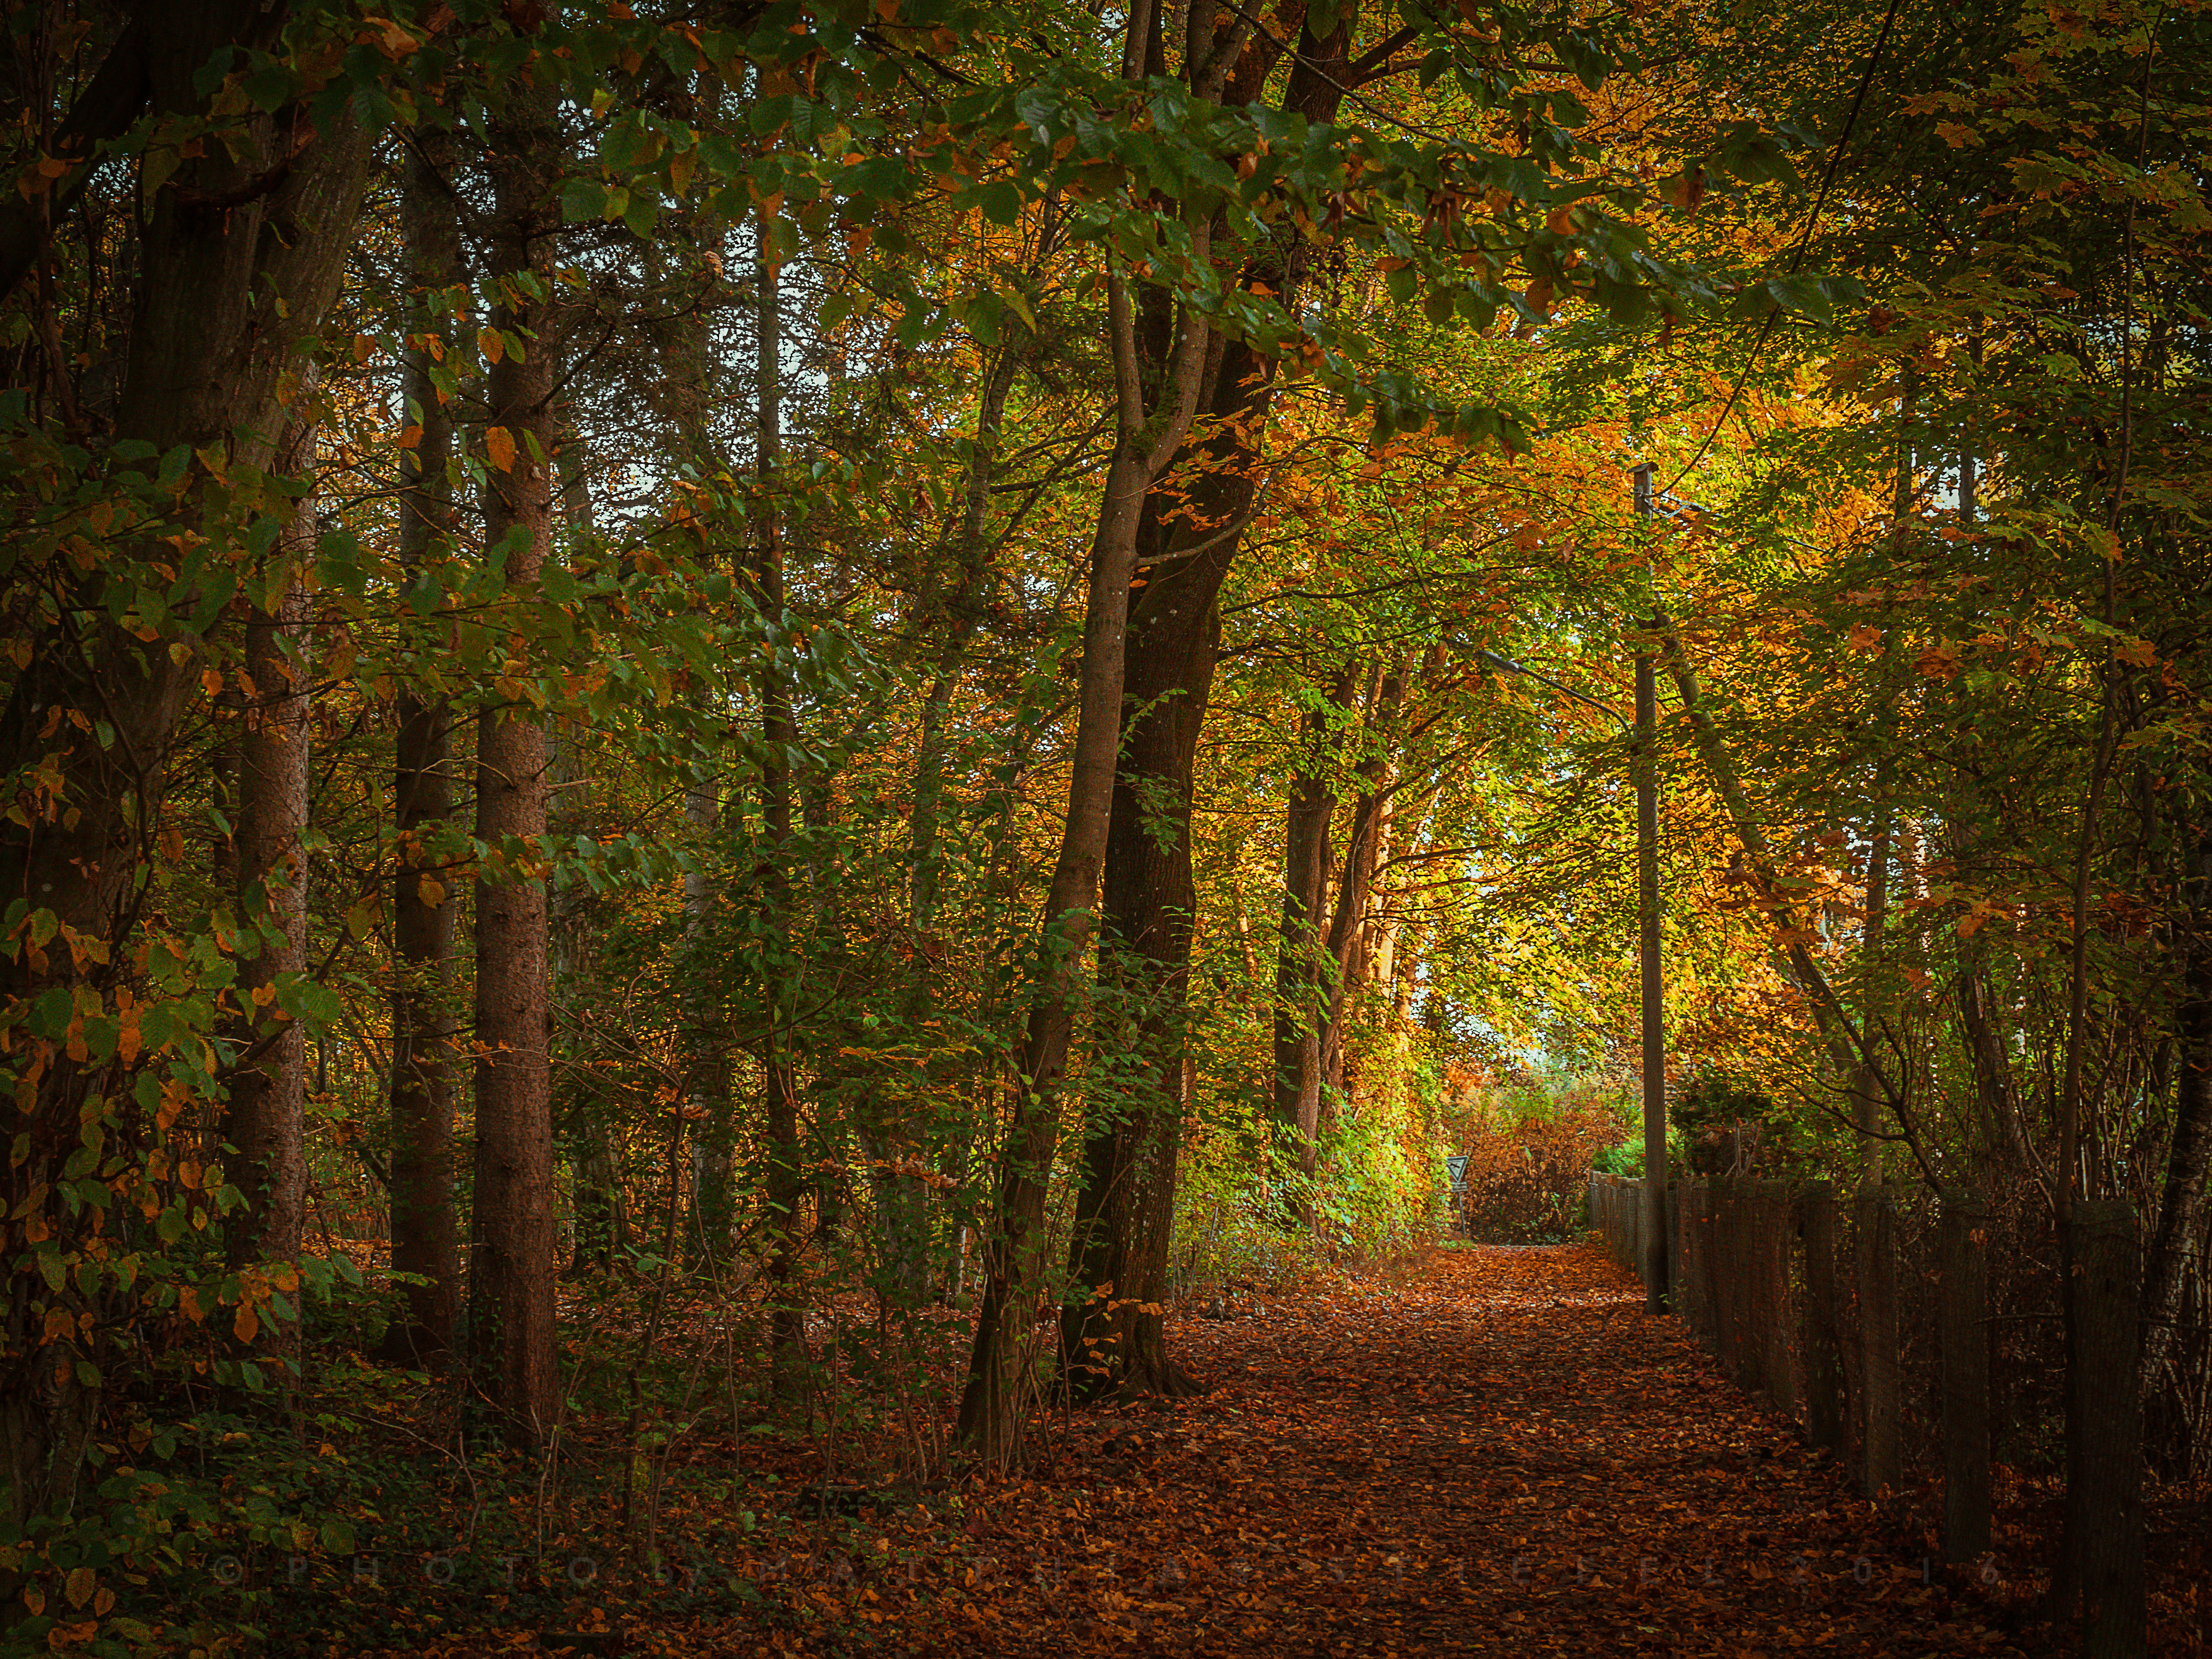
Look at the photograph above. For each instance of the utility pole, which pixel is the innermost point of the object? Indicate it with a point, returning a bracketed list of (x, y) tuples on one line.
[(1647, 927)]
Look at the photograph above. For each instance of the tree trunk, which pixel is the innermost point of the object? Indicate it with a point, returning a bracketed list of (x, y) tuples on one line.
[(220, 303), (786, 1183), (2189, 1156), (1186, 540), (599, 1205), (902, 1202), (1298, 1000), (511, 1313), (684, 396), (268, 1092), (1126, 1209), (1866, 1090), (1345, 959), (1188, 543), (991, 1406), (425, 1232)]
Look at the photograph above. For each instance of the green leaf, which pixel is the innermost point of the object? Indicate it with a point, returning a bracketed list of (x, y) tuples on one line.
[(583, 200), (49, 1015)]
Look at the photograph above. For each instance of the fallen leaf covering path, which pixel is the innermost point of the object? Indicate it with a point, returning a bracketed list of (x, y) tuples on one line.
[(1505, 1455), (1499, 1452)]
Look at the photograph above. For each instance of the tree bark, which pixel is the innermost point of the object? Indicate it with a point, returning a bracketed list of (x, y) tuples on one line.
[(1147, 437), (1346, 958), (268, 1093), (511, 1306), (600, 1204), (2189, 1156), (1125, 1211), (425, 1231), (220, 301), (901, 1201), (1186, 540), (786, 1183), (1866, 1090), (1299, 999)]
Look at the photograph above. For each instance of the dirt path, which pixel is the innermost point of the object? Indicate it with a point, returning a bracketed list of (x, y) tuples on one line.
[(1503, 1454)]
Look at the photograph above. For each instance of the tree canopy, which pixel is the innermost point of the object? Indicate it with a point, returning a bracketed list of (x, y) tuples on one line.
[(850, 691)]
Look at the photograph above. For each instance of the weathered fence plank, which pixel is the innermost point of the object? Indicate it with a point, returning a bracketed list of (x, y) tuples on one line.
[(2103, 1452), (1881, 1427), (1819, 1325)]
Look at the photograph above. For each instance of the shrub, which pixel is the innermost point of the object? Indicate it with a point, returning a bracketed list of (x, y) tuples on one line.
[(1529, 1153)]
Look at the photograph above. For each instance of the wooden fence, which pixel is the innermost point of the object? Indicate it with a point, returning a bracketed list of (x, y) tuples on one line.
[(1875, 1325)]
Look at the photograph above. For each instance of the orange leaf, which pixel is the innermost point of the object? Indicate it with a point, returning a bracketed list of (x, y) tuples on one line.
[(498, 445)]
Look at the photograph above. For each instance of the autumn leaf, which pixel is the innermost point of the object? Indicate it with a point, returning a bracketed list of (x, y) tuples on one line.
[(499, 445)]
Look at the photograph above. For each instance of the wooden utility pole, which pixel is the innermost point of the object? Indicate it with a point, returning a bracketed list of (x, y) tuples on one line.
[(1647, 929)]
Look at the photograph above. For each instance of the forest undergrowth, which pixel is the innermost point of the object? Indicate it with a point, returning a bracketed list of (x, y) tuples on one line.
[(1487, 1449)]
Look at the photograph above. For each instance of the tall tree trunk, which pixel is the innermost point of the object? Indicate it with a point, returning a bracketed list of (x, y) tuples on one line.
[(1369, 817), (786, 1183), (268, 1093), (1186, 540), (1300, 997), (1149, 431), (1147, 437), (600, 1204), (511, 1313), (2174, 1236), (218, 306), (1124, 1211), (1866, 1093), (901, 1201), (684, 397), (425, 1231)]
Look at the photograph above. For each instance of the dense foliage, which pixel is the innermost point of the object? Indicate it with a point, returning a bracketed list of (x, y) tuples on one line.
[(754, 714)]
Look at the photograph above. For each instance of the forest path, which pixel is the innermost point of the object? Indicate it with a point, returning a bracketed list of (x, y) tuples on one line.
[(1499, 1452)]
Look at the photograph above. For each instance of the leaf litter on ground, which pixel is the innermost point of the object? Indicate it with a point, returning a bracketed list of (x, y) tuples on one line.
[(1496, 1451)]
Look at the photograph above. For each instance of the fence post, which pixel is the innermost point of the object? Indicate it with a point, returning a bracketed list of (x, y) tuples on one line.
[(1823, 1344), (1698, 1271), (1720, 1271), (1674, 1246), (1771, 1221), (1964, 1244), (1880, 1430), (2103, 1452)]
